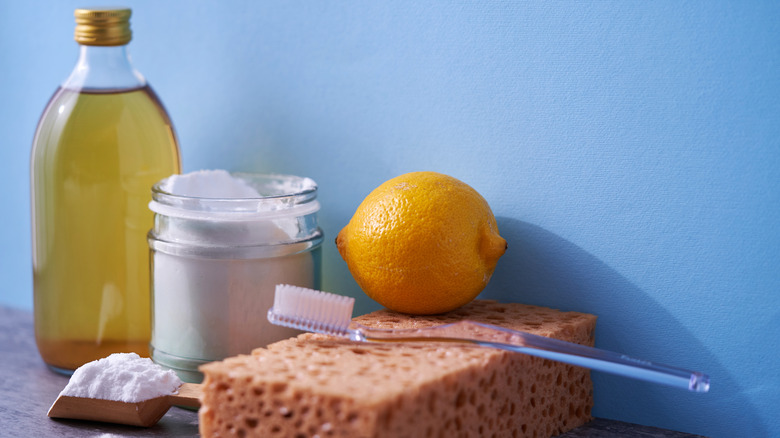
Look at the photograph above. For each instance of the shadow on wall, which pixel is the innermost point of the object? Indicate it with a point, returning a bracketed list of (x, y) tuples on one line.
[(544, 269)]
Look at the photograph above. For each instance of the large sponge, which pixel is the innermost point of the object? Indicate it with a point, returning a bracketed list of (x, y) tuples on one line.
[(315, 385)]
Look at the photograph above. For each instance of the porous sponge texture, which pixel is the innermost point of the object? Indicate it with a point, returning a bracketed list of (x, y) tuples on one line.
[(315, 385)]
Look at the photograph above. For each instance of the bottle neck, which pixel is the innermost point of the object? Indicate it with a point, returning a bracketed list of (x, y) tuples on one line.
[(104, 68)]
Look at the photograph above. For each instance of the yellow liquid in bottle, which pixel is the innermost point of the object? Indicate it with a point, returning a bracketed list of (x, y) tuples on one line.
[(96, 155)]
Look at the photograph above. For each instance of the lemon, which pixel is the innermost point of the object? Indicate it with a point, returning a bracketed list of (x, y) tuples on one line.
[(422, 243)]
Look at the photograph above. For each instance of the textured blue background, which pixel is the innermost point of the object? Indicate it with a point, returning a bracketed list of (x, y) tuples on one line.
[(630, 150)]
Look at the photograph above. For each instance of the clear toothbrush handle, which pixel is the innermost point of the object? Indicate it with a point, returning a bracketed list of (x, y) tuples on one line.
[(488, 335), (614, 363)]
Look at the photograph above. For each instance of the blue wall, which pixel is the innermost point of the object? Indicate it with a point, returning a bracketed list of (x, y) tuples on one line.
[(630, 150)]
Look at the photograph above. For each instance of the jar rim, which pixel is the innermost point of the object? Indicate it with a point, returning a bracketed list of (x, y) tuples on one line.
[(280, 196)]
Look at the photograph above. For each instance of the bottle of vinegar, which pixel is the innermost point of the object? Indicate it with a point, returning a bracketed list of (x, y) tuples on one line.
[(103, 140)]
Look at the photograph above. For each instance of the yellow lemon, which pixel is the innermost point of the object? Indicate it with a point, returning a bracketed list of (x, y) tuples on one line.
[(422, 243)]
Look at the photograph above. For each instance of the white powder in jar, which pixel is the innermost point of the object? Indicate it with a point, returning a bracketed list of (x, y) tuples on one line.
[(209, 184), (123, 377), (216, 308)]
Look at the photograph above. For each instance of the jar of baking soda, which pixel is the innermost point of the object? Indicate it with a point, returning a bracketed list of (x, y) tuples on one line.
[(220, 244)]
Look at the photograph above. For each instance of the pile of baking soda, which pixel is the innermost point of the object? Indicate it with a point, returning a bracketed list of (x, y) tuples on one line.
[(125, 377)]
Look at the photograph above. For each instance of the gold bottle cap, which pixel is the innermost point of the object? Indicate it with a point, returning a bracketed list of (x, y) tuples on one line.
[(103, 27)]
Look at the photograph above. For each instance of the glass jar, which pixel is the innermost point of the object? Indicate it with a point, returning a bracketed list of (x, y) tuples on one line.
[(216, 263)]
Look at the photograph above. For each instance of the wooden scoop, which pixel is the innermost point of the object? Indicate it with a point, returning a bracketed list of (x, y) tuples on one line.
[(146, 413)]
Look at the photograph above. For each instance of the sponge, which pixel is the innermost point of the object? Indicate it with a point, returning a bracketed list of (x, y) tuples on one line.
[(315, 385)]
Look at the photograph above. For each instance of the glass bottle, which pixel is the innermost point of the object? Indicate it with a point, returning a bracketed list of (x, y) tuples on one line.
[(103, 140)]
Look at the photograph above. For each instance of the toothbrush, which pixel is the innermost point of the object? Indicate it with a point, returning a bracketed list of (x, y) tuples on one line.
[(331, 314)]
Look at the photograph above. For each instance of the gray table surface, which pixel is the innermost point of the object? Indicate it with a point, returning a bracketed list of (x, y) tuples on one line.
[(28, 388)]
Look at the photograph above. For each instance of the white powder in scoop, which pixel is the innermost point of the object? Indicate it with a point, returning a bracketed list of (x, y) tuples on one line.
[(123, 377)]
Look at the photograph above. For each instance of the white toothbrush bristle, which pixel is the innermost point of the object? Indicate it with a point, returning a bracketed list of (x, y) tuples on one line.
[(312, 310)]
